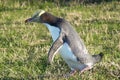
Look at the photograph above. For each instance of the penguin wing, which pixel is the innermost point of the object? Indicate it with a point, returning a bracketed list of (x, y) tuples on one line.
[(55, 48)]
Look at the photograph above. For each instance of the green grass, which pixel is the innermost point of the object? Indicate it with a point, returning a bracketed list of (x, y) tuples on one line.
[(24, 47)]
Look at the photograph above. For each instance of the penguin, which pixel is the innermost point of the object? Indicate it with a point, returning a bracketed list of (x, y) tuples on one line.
[(67, 42)]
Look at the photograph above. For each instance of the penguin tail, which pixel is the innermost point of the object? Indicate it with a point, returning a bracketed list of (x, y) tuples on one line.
[(98, 57)]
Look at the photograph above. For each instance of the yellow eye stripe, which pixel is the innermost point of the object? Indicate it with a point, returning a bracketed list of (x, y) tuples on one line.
[(41, 12)]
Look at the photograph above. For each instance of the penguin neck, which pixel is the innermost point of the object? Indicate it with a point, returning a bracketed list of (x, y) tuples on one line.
[(53, 30), (50, 19)]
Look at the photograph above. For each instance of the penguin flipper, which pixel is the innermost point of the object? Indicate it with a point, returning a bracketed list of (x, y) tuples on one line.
[(54, 49)]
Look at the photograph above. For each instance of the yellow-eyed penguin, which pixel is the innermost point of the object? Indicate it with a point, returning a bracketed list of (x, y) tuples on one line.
[(67, 42)]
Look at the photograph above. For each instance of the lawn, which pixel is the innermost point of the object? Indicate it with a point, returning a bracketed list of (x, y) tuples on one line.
[(24, 47)]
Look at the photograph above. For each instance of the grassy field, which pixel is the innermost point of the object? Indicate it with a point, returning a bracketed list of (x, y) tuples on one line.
[(24, 47)]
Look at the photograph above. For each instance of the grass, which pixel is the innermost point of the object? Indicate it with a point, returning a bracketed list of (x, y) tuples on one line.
[(24, 47)]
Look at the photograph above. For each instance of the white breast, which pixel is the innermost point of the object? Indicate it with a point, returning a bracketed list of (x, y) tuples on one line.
[(65, 50), (54, 31)]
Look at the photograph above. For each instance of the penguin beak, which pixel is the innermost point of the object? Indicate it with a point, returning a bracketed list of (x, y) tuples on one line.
[(28, 20)]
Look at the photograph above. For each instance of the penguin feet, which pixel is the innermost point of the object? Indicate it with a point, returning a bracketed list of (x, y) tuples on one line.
[(72, 72), (85, 69)]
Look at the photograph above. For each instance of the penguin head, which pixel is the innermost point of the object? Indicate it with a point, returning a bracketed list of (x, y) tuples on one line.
[(36, 17), (43, 17)]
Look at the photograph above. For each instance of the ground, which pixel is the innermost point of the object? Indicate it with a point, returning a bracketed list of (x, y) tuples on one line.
[(24, 47)]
